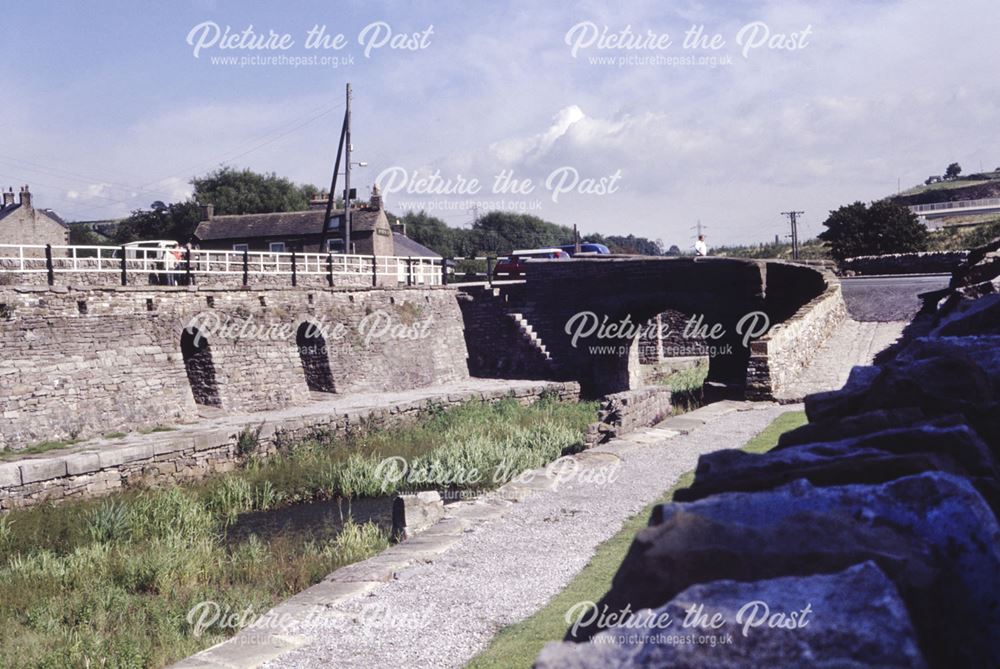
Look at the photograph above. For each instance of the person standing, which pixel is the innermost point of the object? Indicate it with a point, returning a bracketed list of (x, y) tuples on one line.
[(700, 247), (169, 263)]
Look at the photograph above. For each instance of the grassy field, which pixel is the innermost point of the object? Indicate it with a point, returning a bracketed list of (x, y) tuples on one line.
[(109, 583), (518, 645)]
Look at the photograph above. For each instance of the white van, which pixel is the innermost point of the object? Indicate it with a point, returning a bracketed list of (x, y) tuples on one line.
[(148, 250)]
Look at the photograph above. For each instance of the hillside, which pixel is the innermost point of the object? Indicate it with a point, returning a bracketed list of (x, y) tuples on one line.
[(971, 187)]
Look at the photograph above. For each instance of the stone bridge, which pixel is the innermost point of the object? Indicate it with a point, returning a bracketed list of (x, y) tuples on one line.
[(82, 361), (528, 328)]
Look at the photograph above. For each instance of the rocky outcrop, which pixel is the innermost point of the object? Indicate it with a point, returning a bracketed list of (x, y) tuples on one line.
[(894, 482), (852, 618)]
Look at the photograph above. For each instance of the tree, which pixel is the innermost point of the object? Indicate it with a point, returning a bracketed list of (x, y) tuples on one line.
[(81, 235), (234, 191), (674, 250), (175, 221), (884, 227), (953, 171), (435, 234)]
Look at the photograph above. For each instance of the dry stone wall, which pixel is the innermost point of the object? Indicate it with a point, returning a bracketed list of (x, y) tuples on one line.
[(927, 262)]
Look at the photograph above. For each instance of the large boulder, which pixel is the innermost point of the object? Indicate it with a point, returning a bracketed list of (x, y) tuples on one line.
[(852, 618), (872, 458), (841, 428), (932, 534), (938, 375), (846, 401), (970, 317)]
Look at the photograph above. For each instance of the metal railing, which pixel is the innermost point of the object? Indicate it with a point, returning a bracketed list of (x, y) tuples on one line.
[(956, 204), (168, 267)]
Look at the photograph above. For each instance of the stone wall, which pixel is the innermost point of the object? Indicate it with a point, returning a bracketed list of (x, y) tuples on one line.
[(78, 363), (671, 342), (497, 348), (193, 453), (779, 357), (632, 410), (930, 262)]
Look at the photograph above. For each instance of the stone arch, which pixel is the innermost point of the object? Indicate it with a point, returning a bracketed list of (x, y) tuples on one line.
[(312, 349), (720, 291), (200, 369)]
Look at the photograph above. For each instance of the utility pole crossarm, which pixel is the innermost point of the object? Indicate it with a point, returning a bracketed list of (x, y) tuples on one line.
[(793, 220)]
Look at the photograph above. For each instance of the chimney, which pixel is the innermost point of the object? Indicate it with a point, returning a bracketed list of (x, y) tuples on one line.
[(8, 197), (25, 197), (376, 199), (207, 211), (399, 227)]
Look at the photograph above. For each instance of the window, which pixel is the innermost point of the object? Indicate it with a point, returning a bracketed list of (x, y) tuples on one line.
[(241, 247), (335, 245), (277, 247)]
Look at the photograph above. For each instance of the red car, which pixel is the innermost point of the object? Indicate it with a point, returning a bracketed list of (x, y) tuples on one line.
[(512, 267)]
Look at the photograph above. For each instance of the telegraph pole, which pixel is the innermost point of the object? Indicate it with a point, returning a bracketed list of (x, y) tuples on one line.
[(347, 174), (333, 189), (793, 219)]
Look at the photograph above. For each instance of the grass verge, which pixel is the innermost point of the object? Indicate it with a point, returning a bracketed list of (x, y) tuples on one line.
[(110, 582), (517, 645)]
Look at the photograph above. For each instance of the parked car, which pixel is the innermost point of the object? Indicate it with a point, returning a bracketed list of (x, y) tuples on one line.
[(586, 247), (512, 267)]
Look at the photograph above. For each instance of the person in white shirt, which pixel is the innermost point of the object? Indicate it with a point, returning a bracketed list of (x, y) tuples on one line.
[(700, 247)]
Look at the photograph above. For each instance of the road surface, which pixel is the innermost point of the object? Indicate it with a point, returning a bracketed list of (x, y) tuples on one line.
[(888, 298)]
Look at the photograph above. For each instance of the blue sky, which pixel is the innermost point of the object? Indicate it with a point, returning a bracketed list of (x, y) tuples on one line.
[(107, 109)]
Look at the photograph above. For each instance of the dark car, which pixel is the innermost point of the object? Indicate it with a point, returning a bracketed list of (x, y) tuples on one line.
[(586, 247)]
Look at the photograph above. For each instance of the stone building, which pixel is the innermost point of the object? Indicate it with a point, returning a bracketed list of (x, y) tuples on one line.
[(371, 232), (22, 223)]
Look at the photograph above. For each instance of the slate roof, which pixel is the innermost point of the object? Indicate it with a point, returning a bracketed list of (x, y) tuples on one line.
[(282, 224), (7, 209), (10, 208), (404, 246)]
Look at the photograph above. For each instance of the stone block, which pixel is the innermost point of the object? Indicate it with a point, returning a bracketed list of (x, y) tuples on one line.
[(10, 475), (82, 463), (834, 624), (413, 513), (873, 458), (136, 453), (932, 534), (42, 470)]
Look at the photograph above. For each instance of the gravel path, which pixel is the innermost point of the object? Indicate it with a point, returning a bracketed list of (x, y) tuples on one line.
[(441, 613), (853, 343)]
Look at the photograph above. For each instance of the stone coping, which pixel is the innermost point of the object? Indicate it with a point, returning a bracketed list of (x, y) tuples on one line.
[(101, 454)]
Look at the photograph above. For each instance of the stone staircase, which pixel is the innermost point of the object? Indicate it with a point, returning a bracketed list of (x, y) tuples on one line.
[(529, 335), (502, 339)]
